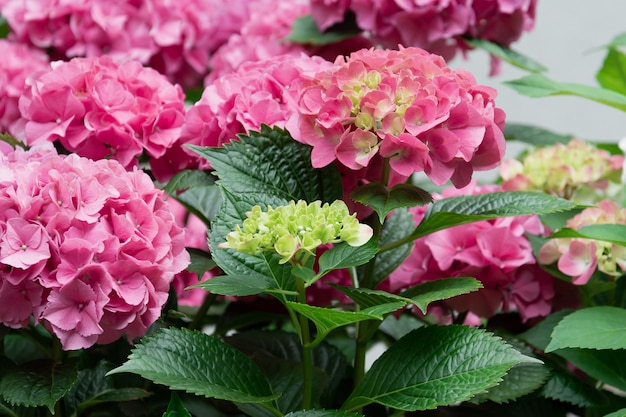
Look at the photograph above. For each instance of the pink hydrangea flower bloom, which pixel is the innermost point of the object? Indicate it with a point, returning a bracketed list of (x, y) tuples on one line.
[(580, 258), (405, 105), (98, 108), (86, 247), (496, 252), (18, 62), (435, 25), (260, 92)]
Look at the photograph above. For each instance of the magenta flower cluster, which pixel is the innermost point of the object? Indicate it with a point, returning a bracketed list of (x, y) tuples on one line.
[(435, 25), (496, 252), (174, 37), (405, 105), (99, 108), (86, 247)]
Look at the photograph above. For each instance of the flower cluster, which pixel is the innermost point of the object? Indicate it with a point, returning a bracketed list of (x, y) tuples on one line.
[(18, 62), (98, 108), (297, 227), (569, 170), (578, 257), (173, 37), (259, 92), (435, 25), (86, 247), (404, 105), (496, 252)]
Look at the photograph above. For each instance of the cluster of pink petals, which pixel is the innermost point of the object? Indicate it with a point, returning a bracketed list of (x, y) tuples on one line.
[(435, 25), (175, 37), (99, 109), (404, 105), (496, 252), (86, 247), (259, 92), (580, 258), (18, 62)]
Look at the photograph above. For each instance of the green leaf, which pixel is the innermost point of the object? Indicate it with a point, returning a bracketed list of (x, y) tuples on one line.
[(200, 364), (113, 395), (396, 227), (282, 353), (4, 28), (602, 327), (176, 408), (435, 366), (608, 366), (453, 211), (612, 75), (38, 383), (326, 319), (322, 413), (568, 388), (197, 191), (271, 163), (201, 261), (305, 31), (441, 289), (534, 135), (614, 233), (541, 86), (187, 179), (521, 379), (383, 200), (235, 285), (618, 413), (346, 256), (367, 298), (538, 336), (507, 54)]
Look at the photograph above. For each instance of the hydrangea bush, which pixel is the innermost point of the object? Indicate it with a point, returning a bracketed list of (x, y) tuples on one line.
[(270, 209)]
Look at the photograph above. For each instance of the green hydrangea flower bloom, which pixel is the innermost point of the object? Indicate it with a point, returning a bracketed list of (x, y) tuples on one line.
[(297, 227)]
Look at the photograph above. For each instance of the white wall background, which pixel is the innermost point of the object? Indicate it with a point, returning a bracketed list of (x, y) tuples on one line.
[(565, 34)]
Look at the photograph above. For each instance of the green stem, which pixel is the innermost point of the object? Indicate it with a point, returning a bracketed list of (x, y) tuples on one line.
[(272, 409), (204, 308), (307, 357)]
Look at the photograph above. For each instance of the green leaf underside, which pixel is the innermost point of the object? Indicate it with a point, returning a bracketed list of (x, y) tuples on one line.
[(201, 261), (200, 364), (421, 295), (396, 227), (507, 54), (612, 75), (541, 86), (534, 135), (568, 388), (383, 200), (614, 233), (322, 413), (602, 327), (186, 179), (176, 408), (38, 383), (435, 366), (346, 256), (521, 379), (618, 413), (454, 211), (326, 319), (305, 31), (235, 285)]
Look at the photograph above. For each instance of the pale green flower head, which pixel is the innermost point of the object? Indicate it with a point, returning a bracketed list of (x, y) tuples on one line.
[(288, 230)]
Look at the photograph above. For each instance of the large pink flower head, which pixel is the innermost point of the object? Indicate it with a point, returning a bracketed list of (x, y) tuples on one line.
[(496, 252), (18, 62), (257, 93), (101, 109), (404, 105), (86, 247), (435, 25), (576, 170), (579, 258)]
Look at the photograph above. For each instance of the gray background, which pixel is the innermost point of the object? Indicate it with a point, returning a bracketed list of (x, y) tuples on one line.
[(564, 38)]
